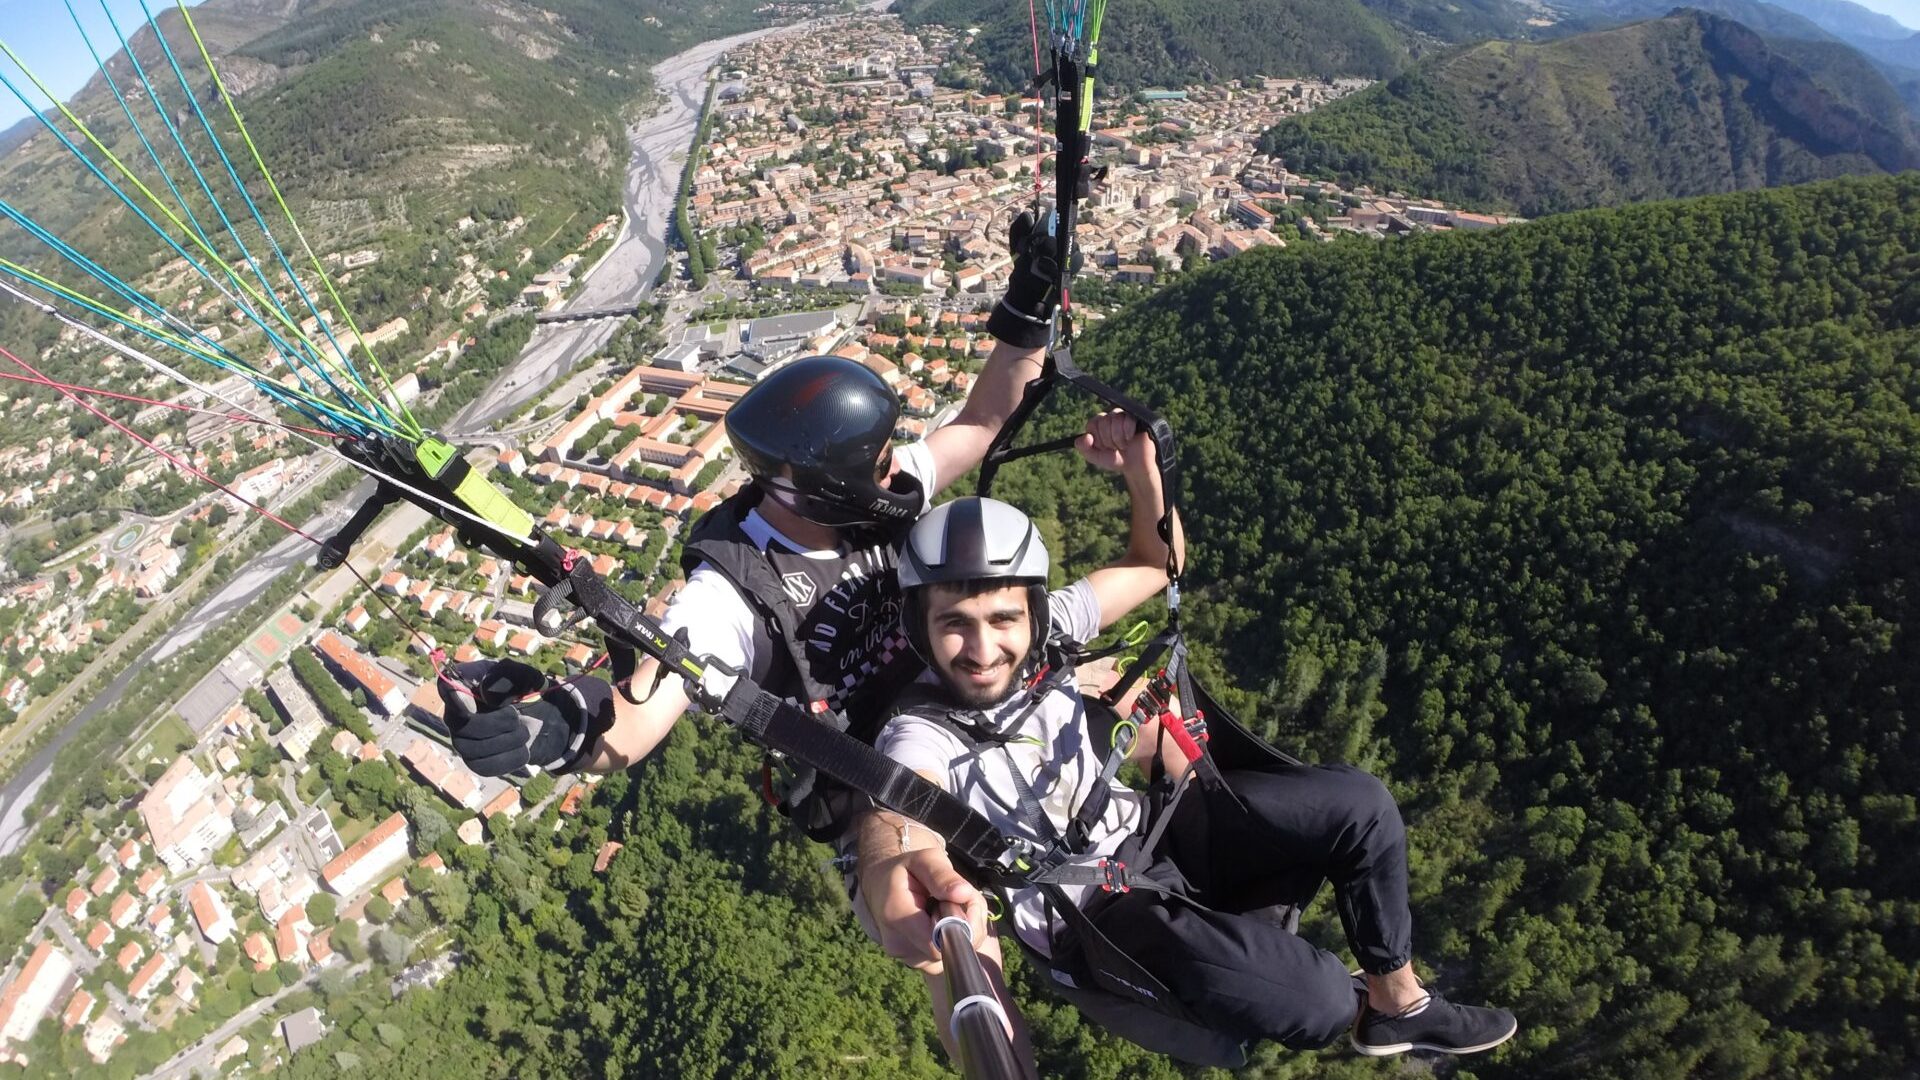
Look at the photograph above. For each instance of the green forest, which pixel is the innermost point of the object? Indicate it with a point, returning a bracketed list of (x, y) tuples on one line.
[(1691, 104), (1594, 537)]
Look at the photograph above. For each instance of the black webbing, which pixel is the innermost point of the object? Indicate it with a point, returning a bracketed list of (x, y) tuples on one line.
[(784, 726)]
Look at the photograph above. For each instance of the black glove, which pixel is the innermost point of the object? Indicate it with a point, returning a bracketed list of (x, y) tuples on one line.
[(1024, 316), (496, 733)]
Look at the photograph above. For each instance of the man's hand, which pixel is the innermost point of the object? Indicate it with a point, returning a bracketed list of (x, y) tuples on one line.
[(1024, 316), (503, 717), (903, 891), (483, 717), (1115, 442)]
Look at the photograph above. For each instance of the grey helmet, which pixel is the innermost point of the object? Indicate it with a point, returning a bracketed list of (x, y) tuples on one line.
[(972, 540)]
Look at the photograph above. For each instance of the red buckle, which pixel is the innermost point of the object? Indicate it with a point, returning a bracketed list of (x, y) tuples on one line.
[(1197, 727), (567, 558), (1183, 737), (1115, 873)]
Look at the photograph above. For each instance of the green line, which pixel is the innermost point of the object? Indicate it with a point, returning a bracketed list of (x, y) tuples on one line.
[(181, 343), (80, 125), (325, 279)]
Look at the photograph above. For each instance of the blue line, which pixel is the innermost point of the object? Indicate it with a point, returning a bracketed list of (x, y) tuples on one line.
[(346, 360), (121, 288), (171, 242), (296, 354), (295, 357), (152, 155), (179, 143), (273, 389)]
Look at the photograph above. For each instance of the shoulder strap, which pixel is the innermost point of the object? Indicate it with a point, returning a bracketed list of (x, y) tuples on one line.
[(719, 541)]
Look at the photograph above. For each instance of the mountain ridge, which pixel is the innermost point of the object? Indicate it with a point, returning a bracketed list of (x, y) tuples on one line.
[(1689, 104)]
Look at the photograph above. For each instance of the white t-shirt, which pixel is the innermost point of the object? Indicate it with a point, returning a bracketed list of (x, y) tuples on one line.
[(718, 620), (1052, 751)]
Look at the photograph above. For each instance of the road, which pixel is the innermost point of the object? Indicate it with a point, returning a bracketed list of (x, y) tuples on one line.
[(19, 790), (659, 146), (201, 1053)]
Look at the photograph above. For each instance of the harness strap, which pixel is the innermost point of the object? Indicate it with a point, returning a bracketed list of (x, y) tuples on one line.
[(817, 743)]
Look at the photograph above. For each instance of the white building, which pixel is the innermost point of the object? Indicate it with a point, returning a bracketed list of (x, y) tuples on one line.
[(46, 978), (370, 857), (105, 1033), (188, 814)]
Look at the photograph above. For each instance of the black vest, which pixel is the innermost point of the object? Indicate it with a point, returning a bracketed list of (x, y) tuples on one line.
[(828, 629)]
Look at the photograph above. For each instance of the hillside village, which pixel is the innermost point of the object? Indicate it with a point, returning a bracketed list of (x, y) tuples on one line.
[(849, 165)]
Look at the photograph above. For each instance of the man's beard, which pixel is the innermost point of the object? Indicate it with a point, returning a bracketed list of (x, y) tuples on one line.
[(981, 697)]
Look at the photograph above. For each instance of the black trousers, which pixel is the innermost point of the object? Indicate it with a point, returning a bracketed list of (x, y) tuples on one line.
[(1245, 975)]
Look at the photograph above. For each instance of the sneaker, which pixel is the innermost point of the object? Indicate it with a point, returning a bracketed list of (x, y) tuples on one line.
[(1434, 1024)]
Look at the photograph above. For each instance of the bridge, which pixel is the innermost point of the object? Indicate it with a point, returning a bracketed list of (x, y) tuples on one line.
[(587, 314)]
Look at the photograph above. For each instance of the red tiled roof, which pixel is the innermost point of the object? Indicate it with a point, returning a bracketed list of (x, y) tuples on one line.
[(502, 802), (78, 1006), (259, 950), (147, 973), (206, 911), (362, 670)]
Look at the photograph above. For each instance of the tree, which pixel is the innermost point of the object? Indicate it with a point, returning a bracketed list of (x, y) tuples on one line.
[(265, 983), (536, 790), (449, 899), (321, 909), (389, 948), (378, 909), (346, 940)]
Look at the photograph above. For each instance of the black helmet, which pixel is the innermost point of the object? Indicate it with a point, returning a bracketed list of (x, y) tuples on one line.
[(811, 435), (972, 540)]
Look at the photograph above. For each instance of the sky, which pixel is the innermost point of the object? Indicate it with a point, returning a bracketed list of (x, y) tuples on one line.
[(43, 35), (1907, 11)]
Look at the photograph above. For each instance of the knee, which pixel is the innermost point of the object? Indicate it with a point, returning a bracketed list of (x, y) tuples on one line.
[(1368, 803)]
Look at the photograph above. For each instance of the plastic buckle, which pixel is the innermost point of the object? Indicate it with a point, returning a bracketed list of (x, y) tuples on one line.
[(1115, 873), (1197, 727)]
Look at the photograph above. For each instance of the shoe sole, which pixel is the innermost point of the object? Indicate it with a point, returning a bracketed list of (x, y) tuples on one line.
[(1401, 1048)]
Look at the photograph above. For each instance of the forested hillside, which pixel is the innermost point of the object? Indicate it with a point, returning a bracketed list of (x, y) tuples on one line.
[(1685, 105), (1596, 537), (1599, 537), (1179, 42)]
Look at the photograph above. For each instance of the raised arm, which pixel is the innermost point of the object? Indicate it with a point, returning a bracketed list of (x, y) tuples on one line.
[(962, 444), (1021, 325), (1114, 443)]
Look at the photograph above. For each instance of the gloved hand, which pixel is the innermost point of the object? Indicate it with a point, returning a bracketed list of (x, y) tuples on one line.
[(1024, 316), (496, 733)]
